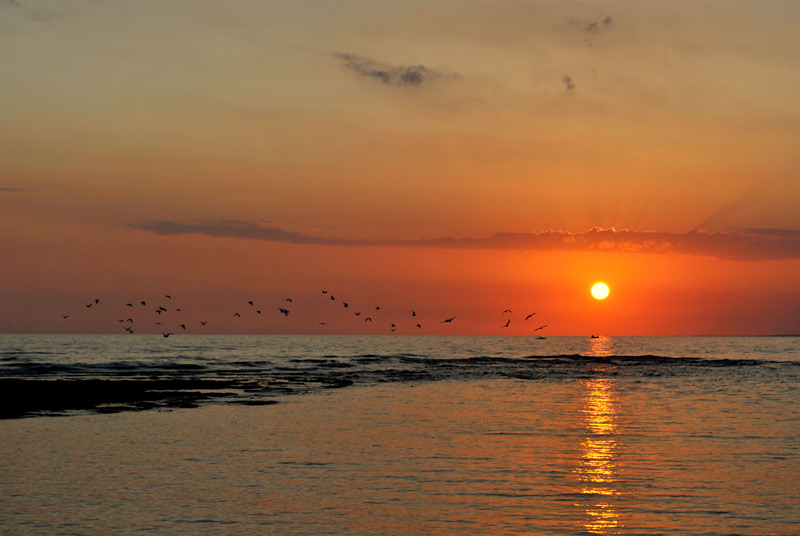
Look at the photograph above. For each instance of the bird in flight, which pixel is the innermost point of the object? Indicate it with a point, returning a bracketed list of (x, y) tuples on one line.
[(64, 316), (413, 313), (289, 300), (540, 327), (346, 304), (368, 319), (250, 302), (204, 322), (285, 312), (167, 334), (506, 311), (168, 297), (128, 305), (419, 326), (507, 323), (183, 326), (237, 314), (144, 303), (446, 320), (530, 315)]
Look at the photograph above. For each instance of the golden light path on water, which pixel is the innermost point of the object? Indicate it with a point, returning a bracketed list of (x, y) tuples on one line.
[(597, 466)]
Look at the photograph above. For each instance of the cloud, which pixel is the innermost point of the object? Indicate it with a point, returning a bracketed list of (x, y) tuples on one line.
[(567, 80), (398, 76), (5, 190), (32, 14), (747, 244)]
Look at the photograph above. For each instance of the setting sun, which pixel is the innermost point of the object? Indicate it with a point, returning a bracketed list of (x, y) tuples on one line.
[(600, 291)]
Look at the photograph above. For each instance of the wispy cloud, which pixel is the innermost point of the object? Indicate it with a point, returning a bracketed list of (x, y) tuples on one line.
[(5, 190), (747, 244), (392, 75), (32, 14)]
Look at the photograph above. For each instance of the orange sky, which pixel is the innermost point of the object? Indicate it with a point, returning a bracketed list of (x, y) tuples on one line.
[(444, 157)]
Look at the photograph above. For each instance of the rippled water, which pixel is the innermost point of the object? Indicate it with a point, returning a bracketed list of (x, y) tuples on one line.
[(420, 435)]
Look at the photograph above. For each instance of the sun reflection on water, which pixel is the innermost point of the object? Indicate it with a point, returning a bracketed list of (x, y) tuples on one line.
[(597, 465)]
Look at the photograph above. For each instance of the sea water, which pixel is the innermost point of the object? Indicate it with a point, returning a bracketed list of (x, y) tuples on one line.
[(403, 435)]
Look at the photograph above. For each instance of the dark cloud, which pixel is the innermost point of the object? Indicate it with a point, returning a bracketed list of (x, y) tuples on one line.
[(400, 76), (567, 80), (239, 229), (32, 14), (747, 244), (18, 190)]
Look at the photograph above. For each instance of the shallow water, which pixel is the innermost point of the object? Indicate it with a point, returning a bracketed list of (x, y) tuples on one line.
[(460, 440)]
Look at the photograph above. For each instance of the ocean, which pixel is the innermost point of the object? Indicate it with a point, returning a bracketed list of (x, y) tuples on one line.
[(374, 435)]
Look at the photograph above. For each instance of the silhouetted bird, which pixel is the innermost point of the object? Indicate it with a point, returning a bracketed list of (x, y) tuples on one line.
[(183, 326), (89, 304), (393, 326), (285, 312), (130, 320), (358, 313), (447, 320), (128, 305), (289, 300), (540, 327), (419, 326), (64, 316), (346, 304), (237, 314), (368, 319), (169, 297), (128, 329), (258, 311), (413, 313), (157, 323), (507, 323), (204, 322), (378, 308), (166, 334), (250, 302), (322, 323), (332, 298), (178, 310), (530, 315), (144, 303), (324, 291), (506, 311), (96, 300)]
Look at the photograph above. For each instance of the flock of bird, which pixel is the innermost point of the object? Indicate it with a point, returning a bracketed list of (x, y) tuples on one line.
[(162, 312)]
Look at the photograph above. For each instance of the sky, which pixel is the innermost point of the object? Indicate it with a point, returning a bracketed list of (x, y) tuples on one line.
[(454, 159)]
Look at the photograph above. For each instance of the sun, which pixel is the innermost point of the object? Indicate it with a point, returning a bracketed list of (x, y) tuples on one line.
[(600, 291)]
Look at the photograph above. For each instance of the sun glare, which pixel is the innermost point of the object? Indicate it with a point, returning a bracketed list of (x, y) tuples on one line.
[(600, 291)]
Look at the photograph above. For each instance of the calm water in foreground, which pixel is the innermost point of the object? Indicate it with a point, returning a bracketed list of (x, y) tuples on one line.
[(399, 435)]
